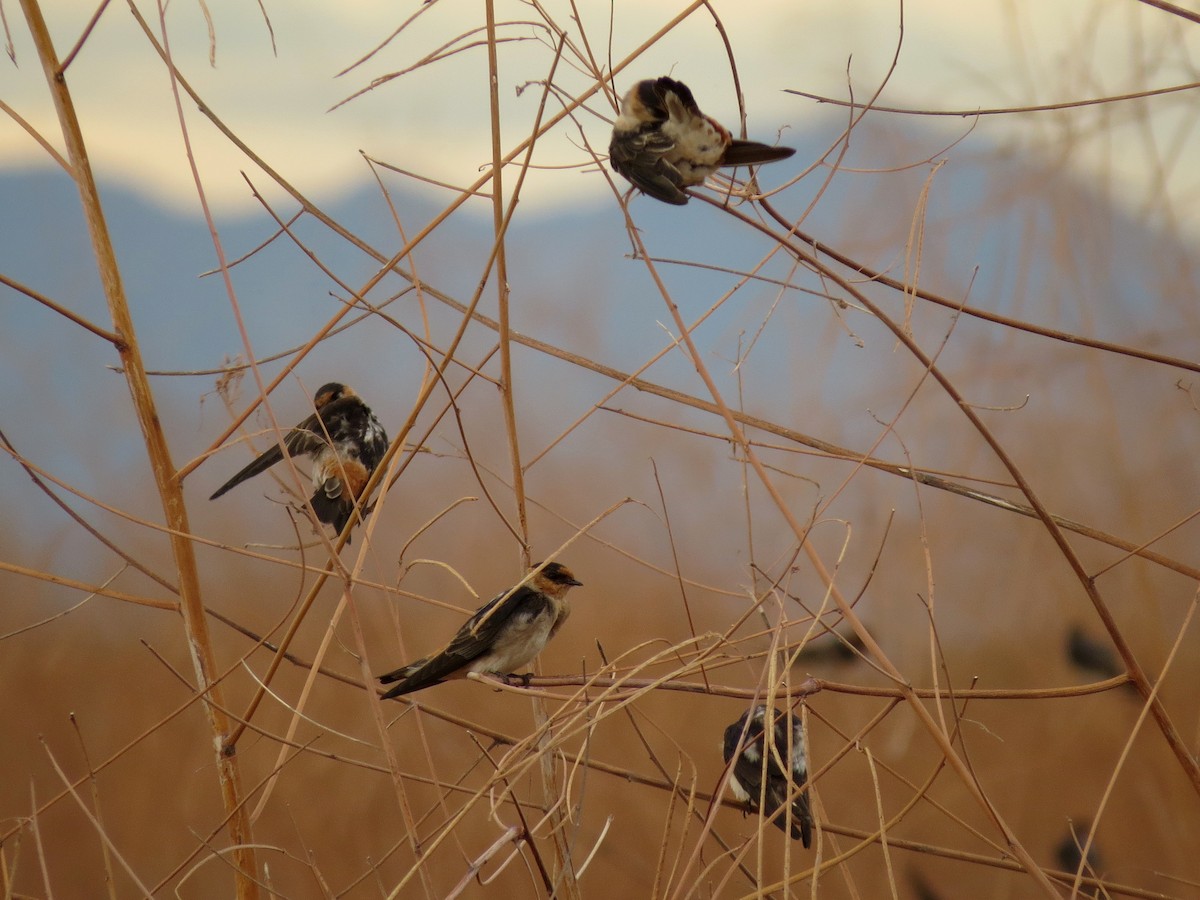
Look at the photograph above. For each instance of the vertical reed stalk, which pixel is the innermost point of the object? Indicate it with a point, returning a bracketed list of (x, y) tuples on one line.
[(169, 487)]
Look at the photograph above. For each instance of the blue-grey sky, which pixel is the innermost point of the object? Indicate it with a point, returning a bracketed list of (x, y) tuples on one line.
[(434, 121)]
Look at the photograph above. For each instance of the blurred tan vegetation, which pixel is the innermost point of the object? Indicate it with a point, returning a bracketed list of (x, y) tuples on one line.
[(720, 565)]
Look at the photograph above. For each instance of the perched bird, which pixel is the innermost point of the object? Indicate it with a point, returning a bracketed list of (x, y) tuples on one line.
[(767, 789), (661, 142), (346, 443), (842, 648), (1069, 852), (922, 889), (1091, 655), (504, 634)]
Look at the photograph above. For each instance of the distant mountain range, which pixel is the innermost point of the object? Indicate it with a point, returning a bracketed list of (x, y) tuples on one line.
[(1045, 249)]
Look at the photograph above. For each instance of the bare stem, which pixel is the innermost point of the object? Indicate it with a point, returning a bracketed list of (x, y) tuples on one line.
[(169, 489)]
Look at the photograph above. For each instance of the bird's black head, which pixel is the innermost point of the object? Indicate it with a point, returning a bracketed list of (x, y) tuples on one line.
[(557, 573), (747, 735), (327, 393)]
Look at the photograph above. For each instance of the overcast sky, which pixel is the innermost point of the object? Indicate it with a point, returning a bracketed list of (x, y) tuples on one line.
[(434, 121)]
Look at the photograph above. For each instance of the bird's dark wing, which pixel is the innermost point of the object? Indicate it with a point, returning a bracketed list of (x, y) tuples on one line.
[(748, 153), (749, 774), (479, 632), (424, 672), (349, 428), (1089, 653), (477, 636), (783, 781), (348, 419), (638, 157), (730, 745), (375, 443), (775, 799), (258, 465), (301, 439), (779, 785), (801, 819)]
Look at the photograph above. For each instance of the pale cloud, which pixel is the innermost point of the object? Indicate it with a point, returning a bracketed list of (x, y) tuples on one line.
[(435, 121)]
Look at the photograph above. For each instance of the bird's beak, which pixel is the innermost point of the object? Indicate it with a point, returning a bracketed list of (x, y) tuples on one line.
[(575, 583)]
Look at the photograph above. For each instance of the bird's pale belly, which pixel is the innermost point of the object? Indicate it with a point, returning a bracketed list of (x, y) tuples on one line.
[(517, 645), (698, 149)]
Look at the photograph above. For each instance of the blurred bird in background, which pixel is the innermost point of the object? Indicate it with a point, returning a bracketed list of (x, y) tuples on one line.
[(768, 767), (345, 442), (922, 889), (1091, 655), (1097, 657), (838, 649), (1069, 854), (503, 635), (662, 142)]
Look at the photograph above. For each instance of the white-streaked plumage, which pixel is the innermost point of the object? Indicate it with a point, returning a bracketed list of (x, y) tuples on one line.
[(770, 786), (662, 142), (346, 444)]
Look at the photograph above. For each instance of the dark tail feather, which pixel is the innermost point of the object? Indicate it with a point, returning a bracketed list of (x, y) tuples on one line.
[(407, 684), (748, 153), (422, 673), (801, 829), (335, 511), (654, 182), (398, 691), (802, 822), (805, 826), (258, 466), (394, 675)]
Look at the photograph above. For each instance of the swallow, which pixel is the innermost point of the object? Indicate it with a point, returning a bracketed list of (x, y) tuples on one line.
[(1091, 655), (842, 648), (345, 442), (1069, 852), (922, 889), (761, 778), (661, 142), (503, 635)]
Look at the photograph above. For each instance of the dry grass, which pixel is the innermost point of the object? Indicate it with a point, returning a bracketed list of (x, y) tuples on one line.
[(844, 434)]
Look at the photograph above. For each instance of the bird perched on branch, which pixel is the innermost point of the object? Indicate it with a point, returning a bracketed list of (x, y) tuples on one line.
[(503, 635), (345, 442), (770, 766), (662, 142)]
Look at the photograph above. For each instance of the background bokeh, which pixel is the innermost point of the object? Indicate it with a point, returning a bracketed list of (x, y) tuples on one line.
[(1075, 220)]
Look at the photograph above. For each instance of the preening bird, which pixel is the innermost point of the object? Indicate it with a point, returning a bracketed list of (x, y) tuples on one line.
[(502, 636), (770, 766), (662, 142), (345, 442)]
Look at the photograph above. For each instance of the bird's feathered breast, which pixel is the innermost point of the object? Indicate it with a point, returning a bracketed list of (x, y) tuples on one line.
[(662, 141), (506, 637)]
